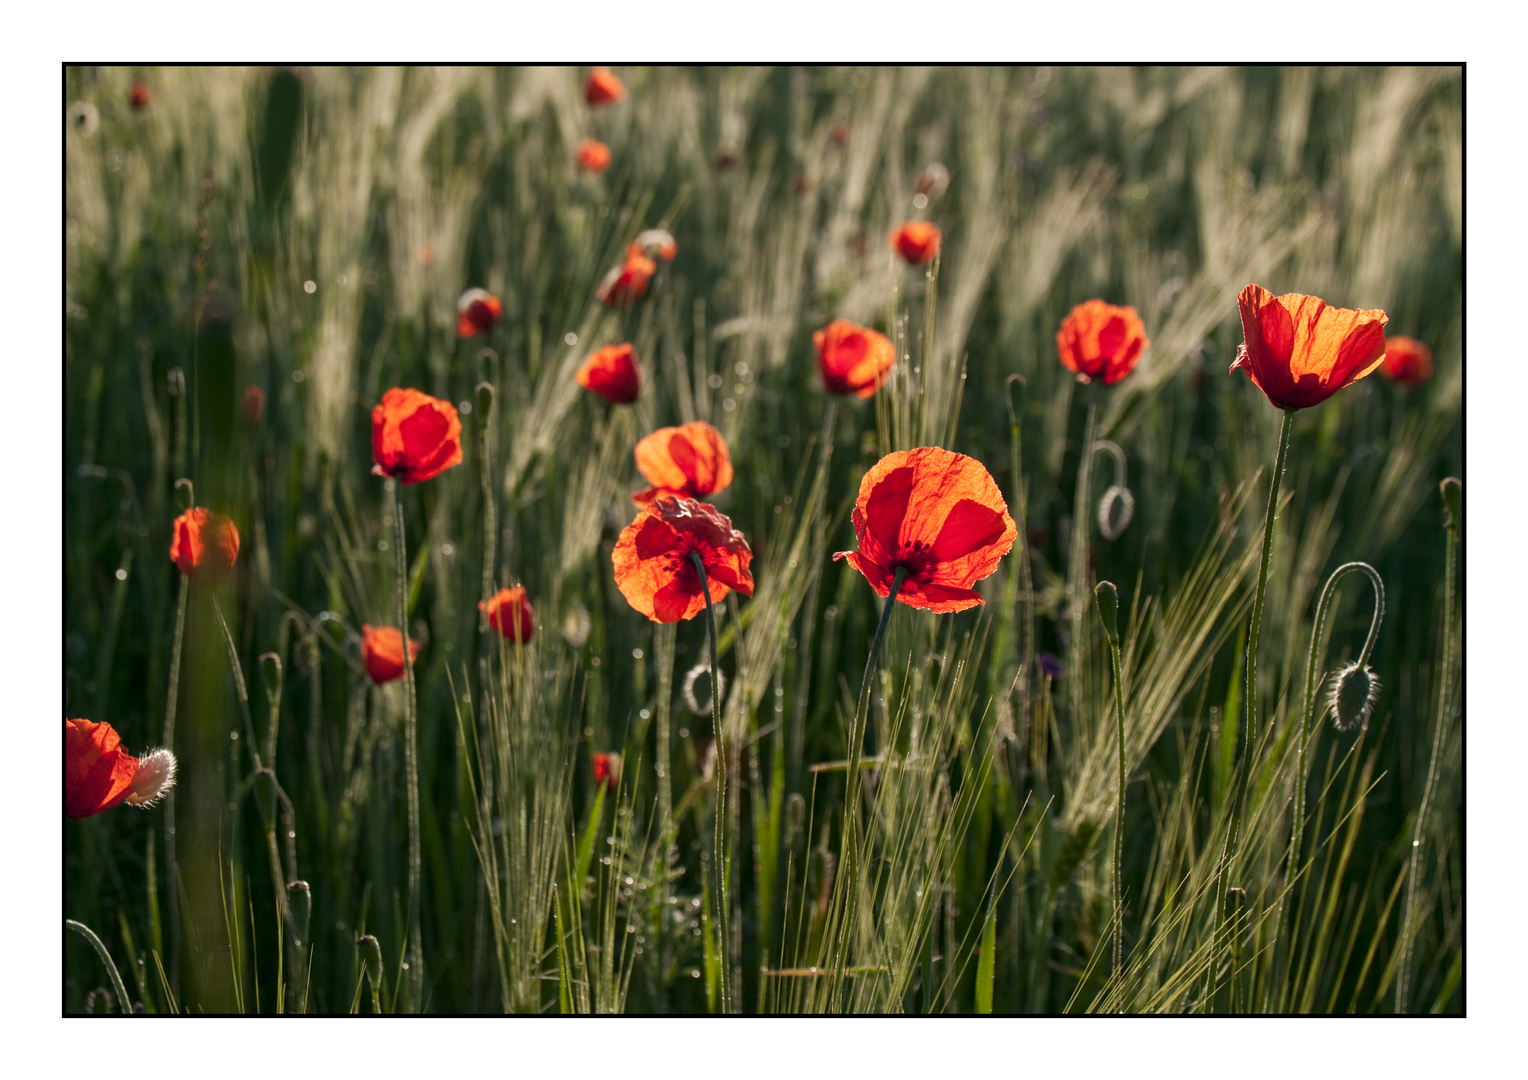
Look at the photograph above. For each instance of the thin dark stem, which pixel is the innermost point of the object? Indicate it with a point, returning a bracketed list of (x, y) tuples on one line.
[(111, 967), (411, 753), (1119, 811), (1077, 570), (172, 868), (724, 899)]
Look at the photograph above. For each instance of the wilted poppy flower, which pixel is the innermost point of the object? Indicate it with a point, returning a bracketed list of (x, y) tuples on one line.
[(937, 514), (653, 244), (1300, 352), (1407, 361), (414, 436), (690, 460), (611, 372), (99, 774), (603, 88), (915, 241), (653, 568), (510, 613), (253, 406), (382, 651), (607, 770), (138, 96), (627, 282), (477, 312), (853, 359), (593, 156), (1099, 340), (203, 544)]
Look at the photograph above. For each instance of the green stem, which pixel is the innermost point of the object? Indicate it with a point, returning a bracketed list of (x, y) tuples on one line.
[(111, 967), (172, 869), (724, 898), (1119, 810), (411, 753), (1077, 571)]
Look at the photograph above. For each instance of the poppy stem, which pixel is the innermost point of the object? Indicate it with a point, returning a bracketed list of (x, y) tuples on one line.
[(1077, 570), (111, 967), (723, 892), (172, 869), (411, 750)]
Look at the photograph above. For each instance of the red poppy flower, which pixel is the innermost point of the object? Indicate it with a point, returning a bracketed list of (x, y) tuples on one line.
[(593, 156), (477, 312), (1407, 361), (853, 359), (611, 372), (414, 436), (603, 88), (1099, 340), (204, 544), (915, 241), (99, 774), (607, 770), (653, 244), (254, 405), (840, 133), (382, 651), (690, 460), (937, 514), (1300, 352), (510, 613), (627, 282), (138, 96), (653, 568), (725, 159)]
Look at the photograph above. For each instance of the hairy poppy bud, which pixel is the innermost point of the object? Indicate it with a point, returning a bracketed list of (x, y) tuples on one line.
[(300, 902), (1453, 501), (155, 776), (688, 688), (371, 959), (1107, 598), (1115, 510), (1354, 692), (484, 398)]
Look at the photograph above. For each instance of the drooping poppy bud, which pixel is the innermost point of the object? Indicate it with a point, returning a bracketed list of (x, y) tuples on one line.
[(204, 544), (690, 460), (937, 515), (99, 774), (593, 156), (1299, 351), (1407, 361), (138, 96), (627, 282), (1107, 598), (382, 652), (253, 406), (1355, 689), (1115, 511), (687, 688), (603, 88), (510, 613), (607, 770), (916, 241), (1101, 341), (653, 567), (414, 436), (853, 359), (653, 244), (611, 372), (477, 312)]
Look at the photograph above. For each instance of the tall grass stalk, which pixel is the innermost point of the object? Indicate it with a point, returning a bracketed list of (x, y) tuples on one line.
[(415, 951), (1107, 597)]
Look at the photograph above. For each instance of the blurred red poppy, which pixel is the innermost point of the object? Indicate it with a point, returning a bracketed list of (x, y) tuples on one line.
[(204, 544), (853, 359), (915, 241), (653, 568), (414, 436), (510, 613), (840, 133), (99, 774), (138, 96), (611, 372), (939, 516), (689, 460), (1299, 351), (477, 312), (607, 770), (382, 652), (603, 88), (653, 244), (627, 282), (1099, 340), (253, 407), (1407, 361), (593, 156)]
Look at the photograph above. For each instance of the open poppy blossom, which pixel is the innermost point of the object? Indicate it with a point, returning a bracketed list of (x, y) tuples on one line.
[(690, 460), (204, 544), (653, 568), (1407, 361), (653, 244), (607, 771), (611, 372), (477, 312), (1101, 341), (382, 652), (414, 436), (603, 88), (853, 359), (938, 515), (627, 282), (138, 96), (916, 241), (1299, 351), (510, 613), (593, 156), (99, 774)]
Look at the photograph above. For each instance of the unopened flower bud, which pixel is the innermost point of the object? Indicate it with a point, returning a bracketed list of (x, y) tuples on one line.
[(1453, 501), (371, 959), (484, 398), (1354, 691), (1115, 510), (155, 776), (300, 903), (1018, 392), (1107, 597)]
